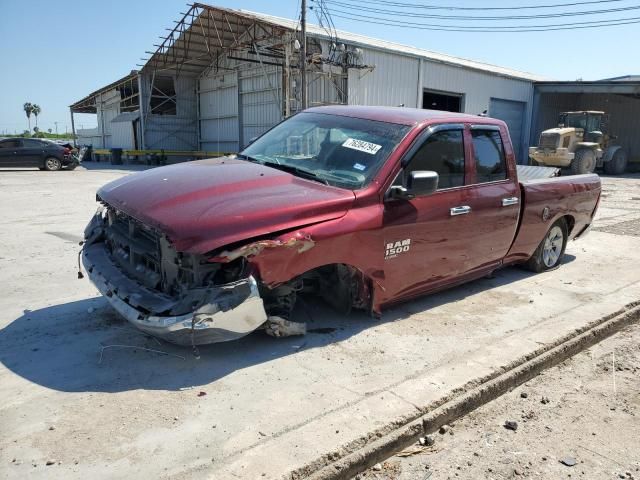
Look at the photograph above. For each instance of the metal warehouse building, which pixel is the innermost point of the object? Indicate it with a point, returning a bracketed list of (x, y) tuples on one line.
[(222, 77)]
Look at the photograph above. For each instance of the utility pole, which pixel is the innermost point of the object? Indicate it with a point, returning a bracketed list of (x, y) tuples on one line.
[(303, 55), (56, 127)]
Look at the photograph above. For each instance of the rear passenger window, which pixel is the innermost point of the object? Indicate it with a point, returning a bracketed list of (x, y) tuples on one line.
[(489, 155), (442, 152), (33, 143)]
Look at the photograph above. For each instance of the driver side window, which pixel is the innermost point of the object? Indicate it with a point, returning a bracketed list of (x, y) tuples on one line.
[(443, 153)]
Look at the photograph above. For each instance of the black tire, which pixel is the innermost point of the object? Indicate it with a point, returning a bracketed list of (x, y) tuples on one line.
[(71, 167), (52, 164), (541, 261), (583, 162), (618, 164)]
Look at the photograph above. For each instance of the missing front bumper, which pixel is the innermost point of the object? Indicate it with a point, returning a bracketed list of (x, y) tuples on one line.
[(224, 312)]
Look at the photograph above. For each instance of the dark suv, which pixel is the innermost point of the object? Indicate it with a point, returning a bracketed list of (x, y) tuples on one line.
[(35, 152)]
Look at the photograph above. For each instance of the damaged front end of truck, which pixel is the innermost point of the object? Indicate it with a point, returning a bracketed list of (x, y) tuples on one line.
[(183, 298), (196, 299)]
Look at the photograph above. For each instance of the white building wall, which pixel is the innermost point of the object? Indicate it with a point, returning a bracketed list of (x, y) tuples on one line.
[(89, 136), (393, 81), (108, 109), (219, 121), (238, 105), (122, 135), (478, 88), (400, 79)]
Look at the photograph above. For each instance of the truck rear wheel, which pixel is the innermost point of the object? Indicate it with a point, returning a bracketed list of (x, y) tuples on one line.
[(618, 164), (549, 253), (583, 162)]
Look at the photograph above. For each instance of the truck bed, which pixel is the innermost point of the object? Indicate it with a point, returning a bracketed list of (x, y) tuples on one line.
[(545, 200)]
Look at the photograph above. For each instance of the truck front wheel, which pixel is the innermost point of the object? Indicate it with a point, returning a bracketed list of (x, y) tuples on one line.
[(549, 253), (583, 162), (618, 163)]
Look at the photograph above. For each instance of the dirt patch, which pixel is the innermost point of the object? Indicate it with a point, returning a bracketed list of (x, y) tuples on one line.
[(630, 227), (579, 420)]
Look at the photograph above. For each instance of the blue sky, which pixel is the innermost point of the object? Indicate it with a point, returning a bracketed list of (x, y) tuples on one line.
[(56, 52)]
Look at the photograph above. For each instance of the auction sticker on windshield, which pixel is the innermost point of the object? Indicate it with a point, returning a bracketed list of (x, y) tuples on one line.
[(362, 146)]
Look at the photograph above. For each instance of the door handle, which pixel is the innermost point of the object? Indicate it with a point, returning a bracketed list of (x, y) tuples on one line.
[(463, 210), (510, 201)]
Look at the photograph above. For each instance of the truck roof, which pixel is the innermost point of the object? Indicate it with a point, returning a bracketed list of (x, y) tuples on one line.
[(401, 115)]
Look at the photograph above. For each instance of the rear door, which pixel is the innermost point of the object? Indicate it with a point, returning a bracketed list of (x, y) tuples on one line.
[(426, 238), (9, 151), (33, 152), (494, 198)]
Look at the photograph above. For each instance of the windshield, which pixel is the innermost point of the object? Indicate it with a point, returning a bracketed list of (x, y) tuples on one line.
[(575, 120), (340, 151)]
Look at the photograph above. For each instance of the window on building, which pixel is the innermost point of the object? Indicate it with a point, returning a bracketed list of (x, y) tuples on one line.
[(443, 153), (163, 96), (489, 156)]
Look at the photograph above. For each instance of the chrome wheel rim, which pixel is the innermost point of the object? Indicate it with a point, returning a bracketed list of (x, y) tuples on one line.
[(552, 246), (52, 163)]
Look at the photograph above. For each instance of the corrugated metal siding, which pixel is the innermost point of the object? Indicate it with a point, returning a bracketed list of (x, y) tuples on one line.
[(89, 136), (624, 114), (218, 95), (260, 100), (172, 132), (238, 106), (393, 81), (122, 135), (548, 109), (513, 114)]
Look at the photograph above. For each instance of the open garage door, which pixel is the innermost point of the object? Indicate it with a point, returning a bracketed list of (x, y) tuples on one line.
[(512, 113), (619, 98)]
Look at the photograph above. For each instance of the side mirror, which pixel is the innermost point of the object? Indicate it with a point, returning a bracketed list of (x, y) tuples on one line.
[(419, 184)]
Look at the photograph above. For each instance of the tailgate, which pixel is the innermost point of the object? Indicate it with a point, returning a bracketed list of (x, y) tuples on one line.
[(546, 200)]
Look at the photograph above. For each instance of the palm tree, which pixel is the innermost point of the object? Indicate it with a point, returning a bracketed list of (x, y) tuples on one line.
[(35, 109), (28, 109)]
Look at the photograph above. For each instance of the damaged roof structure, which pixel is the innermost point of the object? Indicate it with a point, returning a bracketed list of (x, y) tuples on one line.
[(222, 76)]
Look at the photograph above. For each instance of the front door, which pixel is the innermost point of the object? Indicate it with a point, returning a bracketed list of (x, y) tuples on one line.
[(9, 153), (426, 239)]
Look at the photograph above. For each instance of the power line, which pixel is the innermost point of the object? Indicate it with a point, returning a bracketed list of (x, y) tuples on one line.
[(523, 7), (507, 29), (357, 6)]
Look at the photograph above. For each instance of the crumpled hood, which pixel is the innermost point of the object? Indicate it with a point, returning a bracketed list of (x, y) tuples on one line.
[(208, 204)]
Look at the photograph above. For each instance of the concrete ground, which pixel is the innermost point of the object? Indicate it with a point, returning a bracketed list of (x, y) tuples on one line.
[(586, 409), (74, 394)]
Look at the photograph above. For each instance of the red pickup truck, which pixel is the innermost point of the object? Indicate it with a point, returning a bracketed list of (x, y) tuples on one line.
[(363, 206)]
